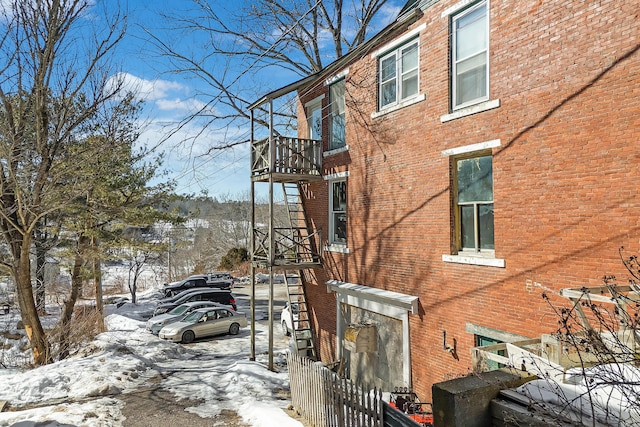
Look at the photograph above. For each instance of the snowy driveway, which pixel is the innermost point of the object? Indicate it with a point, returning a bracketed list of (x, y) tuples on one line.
[(215, 375)]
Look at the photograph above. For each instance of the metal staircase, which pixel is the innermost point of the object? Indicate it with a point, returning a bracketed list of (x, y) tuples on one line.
[(302, 248), (292, 246), (301, 329), (302, 333)]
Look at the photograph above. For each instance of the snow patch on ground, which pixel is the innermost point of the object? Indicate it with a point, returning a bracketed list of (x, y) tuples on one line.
[(83, 389)]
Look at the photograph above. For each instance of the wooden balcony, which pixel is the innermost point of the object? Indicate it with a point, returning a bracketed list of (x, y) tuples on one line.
[(293, 251), (287, 160)]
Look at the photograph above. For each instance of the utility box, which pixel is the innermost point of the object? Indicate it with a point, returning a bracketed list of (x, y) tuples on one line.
[(466, 402), (361, 338)]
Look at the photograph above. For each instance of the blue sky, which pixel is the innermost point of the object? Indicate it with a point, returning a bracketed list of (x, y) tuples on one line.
[(169, 97)]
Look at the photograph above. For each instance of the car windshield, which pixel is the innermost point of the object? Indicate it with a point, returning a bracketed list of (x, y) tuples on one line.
[(179, 309), (193, 317)]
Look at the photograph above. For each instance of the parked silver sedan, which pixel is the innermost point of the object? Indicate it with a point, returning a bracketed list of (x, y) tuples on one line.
[(204, 322), (158, 322)]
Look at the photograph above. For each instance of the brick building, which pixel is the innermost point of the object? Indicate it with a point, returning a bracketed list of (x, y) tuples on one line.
[(474, 155)]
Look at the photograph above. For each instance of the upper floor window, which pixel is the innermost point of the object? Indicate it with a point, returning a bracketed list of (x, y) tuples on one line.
[(314, 120), (474, 203), (398, 79), (338, 212), (337, 135), (470, 56)]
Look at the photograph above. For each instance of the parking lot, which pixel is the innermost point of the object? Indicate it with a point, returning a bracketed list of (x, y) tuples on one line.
[(242, 292)]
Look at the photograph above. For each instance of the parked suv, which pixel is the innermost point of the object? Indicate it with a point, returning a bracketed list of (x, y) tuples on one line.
[(220, 296), (220, 280)]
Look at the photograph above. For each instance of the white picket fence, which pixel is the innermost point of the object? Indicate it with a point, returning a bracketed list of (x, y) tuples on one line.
[(325, 400)]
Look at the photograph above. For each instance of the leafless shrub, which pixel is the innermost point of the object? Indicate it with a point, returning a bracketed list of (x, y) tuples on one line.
[(85, 324), (596, 379)]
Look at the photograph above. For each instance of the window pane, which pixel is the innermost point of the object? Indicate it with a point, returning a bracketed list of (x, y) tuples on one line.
[(339, 196), (388, 93), (336, 97), (338, 217), (388, 68), (467, 236), (340, 227), (337, 127), (471, 79), (485, 224), (410, 84), (338, 137), (471, 33), (410, 58), (315, 124), (475, 179)]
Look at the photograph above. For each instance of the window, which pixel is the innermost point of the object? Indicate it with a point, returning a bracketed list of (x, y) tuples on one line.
[(474, 203), (337, 137), (484, 341), (314, 120), (338, 212), (398, 79), (470, 56)]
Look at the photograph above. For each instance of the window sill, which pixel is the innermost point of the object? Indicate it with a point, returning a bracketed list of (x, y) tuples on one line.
[(474, 109), (335, 247), (409, 101), (335, 151), (478, 259)]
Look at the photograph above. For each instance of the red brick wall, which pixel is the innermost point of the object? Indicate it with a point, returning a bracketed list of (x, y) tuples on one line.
[(566, 176)]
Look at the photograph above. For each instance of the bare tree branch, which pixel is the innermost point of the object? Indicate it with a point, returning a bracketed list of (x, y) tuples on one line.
[(298, 37)]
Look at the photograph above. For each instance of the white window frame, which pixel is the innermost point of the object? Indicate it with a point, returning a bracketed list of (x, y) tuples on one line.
[(400, 73), (333, 144), (333, 211), (331, 245), (311, 107), (455, 61)]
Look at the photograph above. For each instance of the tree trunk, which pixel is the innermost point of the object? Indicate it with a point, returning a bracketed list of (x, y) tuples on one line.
[(133, 288), (97, 280), (76, 286), (40, 291), (32, 326)]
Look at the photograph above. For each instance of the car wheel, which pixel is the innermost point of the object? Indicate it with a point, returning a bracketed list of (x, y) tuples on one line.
[(188, 337), (234, 329), (285, 330)]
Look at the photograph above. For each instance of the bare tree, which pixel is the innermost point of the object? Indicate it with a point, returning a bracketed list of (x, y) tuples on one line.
[(54, 78), (588, 371), (239, 40)]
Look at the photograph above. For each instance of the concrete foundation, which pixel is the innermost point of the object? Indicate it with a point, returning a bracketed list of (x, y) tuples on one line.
[(466, 402)]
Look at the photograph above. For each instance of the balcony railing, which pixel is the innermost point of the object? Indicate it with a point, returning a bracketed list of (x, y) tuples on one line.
[(291, 248), (293, 156)]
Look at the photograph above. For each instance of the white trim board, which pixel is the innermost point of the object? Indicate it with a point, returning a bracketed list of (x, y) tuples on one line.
[(374, 295)]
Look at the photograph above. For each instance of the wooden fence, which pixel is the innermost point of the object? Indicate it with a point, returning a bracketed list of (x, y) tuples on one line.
[(326, 400)]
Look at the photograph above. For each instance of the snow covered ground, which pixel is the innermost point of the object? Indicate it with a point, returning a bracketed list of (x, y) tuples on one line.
[(84, 389)]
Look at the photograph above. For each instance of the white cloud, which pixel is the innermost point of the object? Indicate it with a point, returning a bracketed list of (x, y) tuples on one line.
[(148, 90), (177, 104), (170, 97)]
